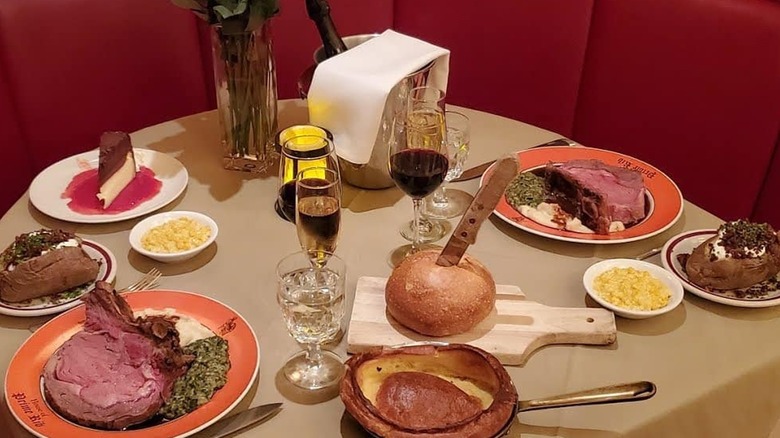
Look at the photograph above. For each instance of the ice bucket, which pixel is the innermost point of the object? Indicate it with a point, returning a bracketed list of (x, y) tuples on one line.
[(375, 174)]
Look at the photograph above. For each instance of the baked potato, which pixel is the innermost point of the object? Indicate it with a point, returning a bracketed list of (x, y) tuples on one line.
[(44, 262), (740, 255)]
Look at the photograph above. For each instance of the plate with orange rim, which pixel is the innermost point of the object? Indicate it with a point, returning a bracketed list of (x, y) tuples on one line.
[(664, 202), (24, 389)]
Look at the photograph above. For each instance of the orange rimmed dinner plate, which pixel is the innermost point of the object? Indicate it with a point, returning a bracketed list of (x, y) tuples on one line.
[(665, 199), (24, 391)]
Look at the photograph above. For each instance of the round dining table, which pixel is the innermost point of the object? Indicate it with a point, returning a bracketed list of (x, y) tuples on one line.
[(716, 367)]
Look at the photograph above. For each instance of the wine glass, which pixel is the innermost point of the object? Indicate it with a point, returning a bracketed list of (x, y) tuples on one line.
[(311, 297), (427, 229), (448, 203), (318, 211), (417, 160), (303, 146)]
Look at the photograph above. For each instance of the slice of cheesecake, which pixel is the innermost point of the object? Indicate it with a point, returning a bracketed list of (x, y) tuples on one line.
[(116, 165)]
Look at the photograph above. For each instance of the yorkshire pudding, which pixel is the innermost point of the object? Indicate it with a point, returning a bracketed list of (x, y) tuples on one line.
[(430, 391), (436, 300)]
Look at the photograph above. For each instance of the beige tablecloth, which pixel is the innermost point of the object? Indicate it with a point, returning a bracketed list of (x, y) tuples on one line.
[(717, 367)]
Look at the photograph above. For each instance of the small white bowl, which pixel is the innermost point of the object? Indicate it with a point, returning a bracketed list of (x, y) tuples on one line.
[(674, 285), (158, 219)]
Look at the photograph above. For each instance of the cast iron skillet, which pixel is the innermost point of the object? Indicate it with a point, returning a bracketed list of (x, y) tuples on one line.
[(620, 393)]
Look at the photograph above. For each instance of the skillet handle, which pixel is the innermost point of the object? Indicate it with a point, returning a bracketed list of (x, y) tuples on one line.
[(608, 394)]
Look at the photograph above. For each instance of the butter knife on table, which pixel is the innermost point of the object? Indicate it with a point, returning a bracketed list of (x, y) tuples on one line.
[(251, 416), (477, 171)]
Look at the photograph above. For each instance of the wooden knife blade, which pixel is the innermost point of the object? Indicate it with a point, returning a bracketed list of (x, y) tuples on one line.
[(481, 207)]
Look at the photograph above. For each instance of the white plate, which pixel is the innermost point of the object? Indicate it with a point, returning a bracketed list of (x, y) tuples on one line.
[(66, 300), (47, 188), (684, 243)]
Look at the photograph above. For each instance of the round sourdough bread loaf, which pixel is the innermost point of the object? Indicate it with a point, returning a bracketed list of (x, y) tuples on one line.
[(439, 301)]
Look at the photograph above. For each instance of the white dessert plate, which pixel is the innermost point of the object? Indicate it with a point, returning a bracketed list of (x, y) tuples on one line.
[(665, 202), (50, 305), (24, 389), (47, 188), (684, 243)]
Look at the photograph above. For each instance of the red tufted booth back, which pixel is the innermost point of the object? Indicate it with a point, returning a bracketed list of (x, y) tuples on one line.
[(692, 86)]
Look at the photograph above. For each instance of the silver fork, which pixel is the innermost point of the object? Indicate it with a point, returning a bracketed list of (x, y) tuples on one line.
[(150, 280)]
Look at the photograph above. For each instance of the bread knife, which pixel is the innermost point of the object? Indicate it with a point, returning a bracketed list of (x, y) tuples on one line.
[(481, 207), (245, 419)]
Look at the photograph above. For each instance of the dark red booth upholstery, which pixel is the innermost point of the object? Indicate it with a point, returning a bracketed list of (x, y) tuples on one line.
[(690, 86), (80, 67), (519, 59), (15, 168)]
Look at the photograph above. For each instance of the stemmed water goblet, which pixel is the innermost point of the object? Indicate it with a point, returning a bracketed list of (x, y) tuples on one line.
[(418, 160), (446, 203), (311, 296)]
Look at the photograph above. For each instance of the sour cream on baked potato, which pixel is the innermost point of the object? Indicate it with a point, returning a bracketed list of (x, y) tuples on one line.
[(741, 255)]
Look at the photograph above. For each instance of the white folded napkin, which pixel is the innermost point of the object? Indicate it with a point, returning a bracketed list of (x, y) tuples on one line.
[(348, 92)]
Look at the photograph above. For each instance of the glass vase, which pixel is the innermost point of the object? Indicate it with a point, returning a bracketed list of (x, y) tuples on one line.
[(245, 80)]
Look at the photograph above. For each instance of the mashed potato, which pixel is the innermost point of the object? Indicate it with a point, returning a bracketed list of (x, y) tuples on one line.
[(632, 289), (190, 329)]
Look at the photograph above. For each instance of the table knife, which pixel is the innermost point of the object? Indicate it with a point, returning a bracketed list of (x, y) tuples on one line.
[(247, 418), (477, 171), (481, 207)]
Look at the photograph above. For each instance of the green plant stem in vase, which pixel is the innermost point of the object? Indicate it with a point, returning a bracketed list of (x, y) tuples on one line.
[(245, 78)]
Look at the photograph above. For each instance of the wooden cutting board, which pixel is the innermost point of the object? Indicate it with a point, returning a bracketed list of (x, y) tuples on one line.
[(511, 332)]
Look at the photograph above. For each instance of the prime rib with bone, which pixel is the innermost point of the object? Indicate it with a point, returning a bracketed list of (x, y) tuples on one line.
[(118, 370), (597, 193)]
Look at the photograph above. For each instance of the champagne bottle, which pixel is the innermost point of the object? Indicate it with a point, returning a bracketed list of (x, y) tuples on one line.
[(319, 12)]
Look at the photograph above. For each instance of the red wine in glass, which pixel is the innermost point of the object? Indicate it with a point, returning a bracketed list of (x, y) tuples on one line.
[(418, 172)]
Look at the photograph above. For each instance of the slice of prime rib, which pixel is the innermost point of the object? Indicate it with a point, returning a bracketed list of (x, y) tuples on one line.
[(118, 370), (597, 193)]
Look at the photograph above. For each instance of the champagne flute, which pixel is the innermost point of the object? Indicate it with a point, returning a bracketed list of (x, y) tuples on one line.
[(318, 211), (417, 161), (448, 203), (311, 297)]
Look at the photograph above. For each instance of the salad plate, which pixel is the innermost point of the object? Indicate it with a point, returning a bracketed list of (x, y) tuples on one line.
[(765, 294)]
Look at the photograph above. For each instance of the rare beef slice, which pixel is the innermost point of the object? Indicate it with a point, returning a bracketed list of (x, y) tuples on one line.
[(597, 193), (119, 370)]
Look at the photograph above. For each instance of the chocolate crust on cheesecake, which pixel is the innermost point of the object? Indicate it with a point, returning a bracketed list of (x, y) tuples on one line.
[(114, 147)]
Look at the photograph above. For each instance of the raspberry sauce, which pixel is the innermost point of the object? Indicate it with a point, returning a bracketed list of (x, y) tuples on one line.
[(83, 188)]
